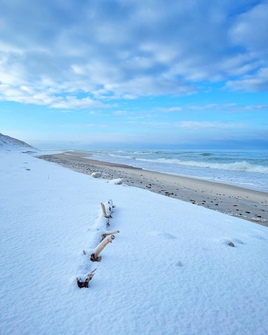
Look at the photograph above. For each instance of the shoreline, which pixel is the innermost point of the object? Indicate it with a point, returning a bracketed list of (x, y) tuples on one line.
[(232, 200)]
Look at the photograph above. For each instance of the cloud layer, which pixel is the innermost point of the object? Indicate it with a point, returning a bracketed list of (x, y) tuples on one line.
[(80, 54)]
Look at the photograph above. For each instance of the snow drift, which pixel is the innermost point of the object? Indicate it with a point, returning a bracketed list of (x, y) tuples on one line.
[(171, 270), (10, 143)]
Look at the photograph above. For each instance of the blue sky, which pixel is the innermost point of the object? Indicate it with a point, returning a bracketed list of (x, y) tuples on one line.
[(134, 74)]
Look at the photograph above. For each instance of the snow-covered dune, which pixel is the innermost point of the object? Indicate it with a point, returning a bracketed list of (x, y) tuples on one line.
[(174, 268), (10, 143)]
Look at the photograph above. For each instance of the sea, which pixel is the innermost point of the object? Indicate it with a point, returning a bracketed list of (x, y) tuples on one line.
[(247, 169)]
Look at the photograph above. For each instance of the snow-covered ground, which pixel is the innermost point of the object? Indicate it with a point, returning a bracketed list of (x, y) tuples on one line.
[(11, 143), (170, 270)]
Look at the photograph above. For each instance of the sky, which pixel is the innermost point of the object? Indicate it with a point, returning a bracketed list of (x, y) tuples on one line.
[(135, 74)]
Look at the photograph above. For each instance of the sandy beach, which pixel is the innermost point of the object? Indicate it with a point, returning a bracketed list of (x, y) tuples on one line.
[(239, 202)]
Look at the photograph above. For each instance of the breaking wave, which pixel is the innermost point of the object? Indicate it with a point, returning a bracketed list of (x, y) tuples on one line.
[(235, 166)]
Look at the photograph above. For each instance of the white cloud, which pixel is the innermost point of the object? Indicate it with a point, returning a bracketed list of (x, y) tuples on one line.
[(120, 113), (250, 33), (74, 103), (226, 108), (127, 49), (253, 82), (208, 125), (251, 30)]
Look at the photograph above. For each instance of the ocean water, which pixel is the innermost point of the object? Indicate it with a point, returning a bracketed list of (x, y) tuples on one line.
[(248, 169)]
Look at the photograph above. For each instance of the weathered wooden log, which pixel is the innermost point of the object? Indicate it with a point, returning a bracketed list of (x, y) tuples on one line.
[(81, 283), (95, 256), (106, 210), (106, 214), (107, 233)]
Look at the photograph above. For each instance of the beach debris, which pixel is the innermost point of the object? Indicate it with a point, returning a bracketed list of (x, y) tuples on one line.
[(106, 211), (107, 233), (95, 256), (257, 219), (106, 237), (109, 206), (117, 181), (81, 283), (96, 174)]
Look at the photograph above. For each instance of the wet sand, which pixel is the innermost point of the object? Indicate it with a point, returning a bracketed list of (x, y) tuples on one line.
[(236, 201)]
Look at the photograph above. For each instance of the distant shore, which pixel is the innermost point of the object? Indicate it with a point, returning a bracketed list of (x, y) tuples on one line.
[(236, 201)]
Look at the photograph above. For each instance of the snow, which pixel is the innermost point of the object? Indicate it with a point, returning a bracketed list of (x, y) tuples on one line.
[(170, 270), (10, 143)]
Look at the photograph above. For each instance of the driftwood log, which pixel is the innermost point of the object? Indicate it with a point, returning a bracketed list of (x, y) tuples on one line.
[(95, 256), (84, 283), (106, 213), (107, 233)]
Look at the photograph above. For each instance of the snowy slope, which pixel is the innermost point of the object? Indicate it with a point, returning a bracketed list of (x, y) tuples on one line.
[(170, 270), (10, 143)]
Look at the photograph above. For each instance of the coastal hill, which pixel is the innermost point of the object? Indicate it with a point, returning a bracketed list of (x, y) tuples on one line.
[(10, 143)]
